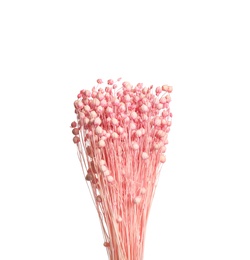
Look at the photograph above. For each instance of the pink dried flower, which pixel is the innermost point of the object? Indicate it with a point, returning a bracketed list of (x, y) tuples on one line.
[(110, 82), (121, 135), (99, 81)]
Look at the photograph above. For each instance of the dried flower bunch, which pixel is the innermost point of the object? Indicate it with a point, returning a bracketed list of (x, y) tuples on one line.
[(121, 135)]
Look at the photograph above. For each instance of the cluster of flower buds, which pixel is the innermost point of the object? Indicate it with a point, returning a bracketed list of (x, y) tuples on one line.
[(118, 113), (121, 113)]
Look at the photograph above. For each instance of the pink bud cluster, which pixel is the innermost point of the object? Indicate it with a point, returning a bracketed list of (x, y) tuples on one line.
[(126, 113)]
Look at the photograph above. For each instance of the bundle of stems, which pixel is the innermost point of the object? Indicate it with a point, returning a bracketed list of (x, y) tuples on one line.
[(121, 135)]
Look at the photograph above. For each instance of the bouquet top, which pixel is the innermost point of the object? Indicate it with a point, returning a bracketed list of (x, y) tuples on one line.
[(121, 111)]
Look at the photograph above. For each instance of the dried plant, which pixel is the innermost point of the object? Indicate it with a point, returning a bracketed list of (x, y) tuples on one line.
[(121, 135)]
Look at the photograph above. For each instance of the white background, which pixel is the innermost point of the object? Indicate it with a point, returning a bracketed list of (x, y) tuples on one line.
[(49, 50)]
